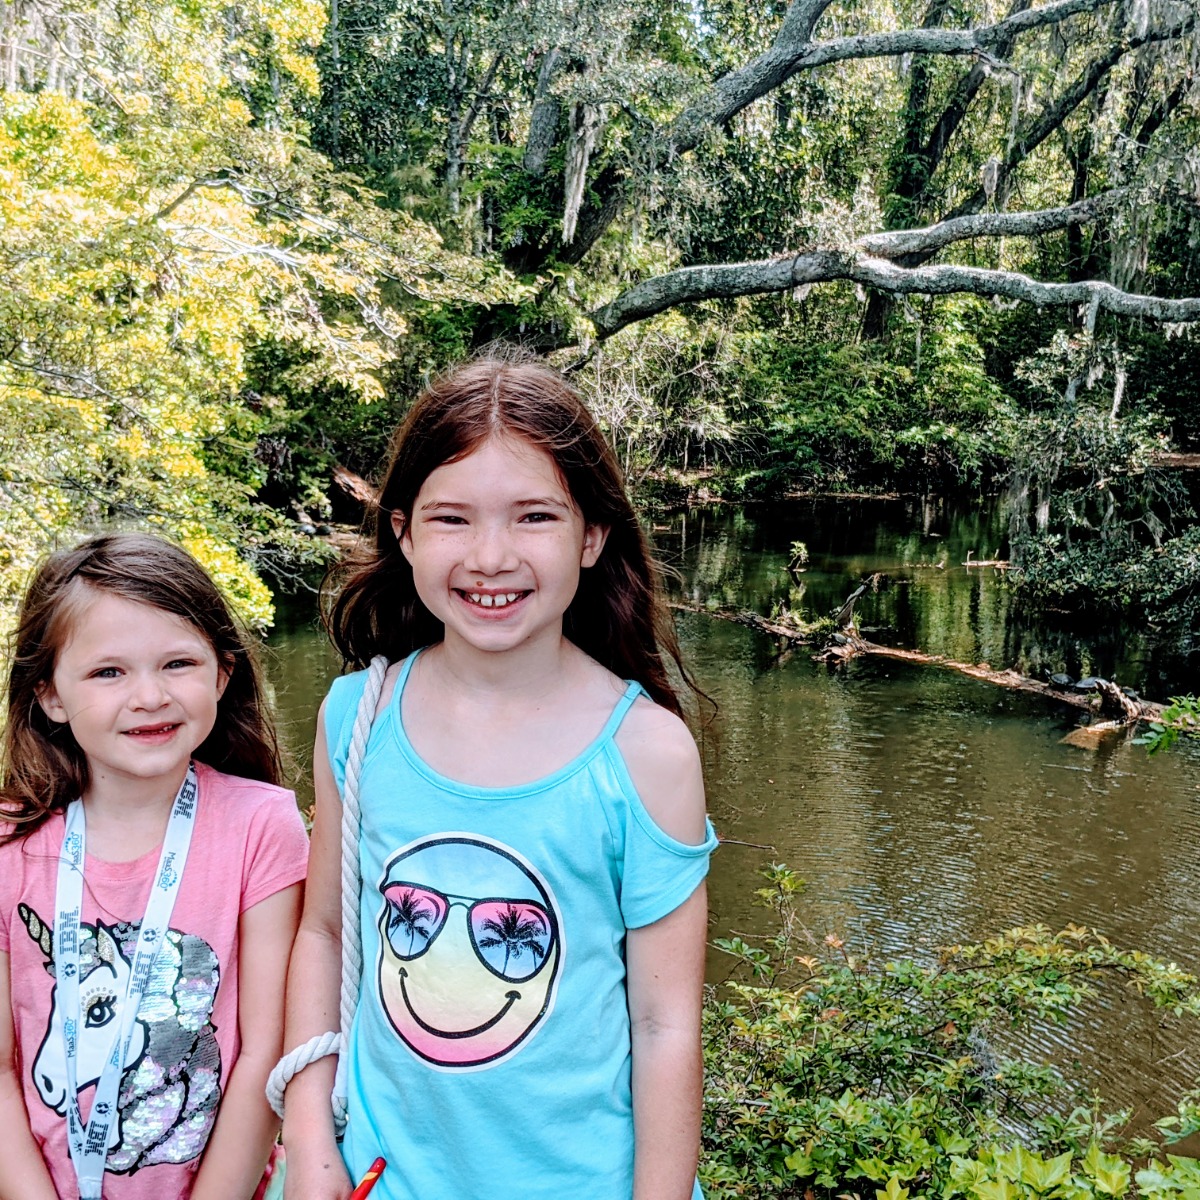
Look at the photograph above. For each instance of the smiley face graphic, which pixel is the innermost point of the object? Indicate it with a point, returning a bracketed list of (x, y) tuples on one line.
[(470, 948)]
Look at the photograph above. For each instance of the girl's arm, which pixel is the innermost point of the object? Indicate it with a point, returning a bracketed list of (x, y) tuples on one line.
[(245, 1131), (666, 977), (314, 1163), (665, 965), (23, 1174)]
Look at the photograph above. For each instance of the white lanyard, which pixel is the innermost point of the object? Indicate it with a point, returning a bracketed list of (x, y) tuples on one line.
[(89, 1144)]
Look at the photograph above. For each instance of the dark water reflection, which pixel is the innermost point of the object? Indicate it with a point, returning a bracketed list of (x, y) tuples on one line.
[(921, 806)]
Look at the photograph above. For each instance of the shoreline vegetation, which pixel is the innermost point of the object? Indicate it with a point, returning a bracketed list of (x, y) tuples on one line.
[(829, 1074)]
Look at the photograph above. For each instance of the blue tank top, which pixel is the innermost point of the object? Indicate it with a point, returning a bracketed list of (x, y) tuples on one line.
[(490, 1057)]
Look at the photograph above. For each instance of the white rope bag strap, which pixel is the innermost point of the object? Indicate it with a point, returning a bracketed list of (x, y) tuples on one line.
[(338, 1043)]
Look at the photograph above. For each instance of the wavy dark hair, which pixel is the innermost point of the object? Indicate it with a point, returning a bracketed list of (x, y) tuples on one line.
[(370, 605), (42, 768)]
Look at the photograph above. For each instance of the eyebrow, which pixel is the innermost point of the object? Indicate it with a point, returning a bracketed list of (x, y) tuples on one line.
[(458, 505), (541, 502)]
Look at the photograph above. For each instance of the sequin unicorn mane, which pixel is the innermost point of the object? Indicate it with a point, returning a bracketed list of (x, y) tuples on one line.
[(171, 1084)]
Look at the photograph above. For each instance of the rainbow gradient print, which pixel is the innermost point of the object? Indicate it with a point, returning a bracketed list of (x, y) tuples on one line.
[(470, 946)]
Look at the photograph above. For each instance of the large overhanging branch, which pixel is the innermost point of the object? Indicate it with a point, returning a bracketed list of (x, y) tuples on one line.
[(793, 52), (897, 243), (1033, 133), (946, 279), (869, 262)]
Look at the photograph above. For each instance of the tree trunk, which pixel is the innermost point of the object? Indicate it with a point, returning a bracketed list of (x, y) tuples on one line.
[(333, 34), (544, 118)]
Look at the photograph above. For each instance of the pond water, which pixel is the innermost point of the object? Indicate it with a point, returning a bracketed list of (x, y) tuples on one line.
[(921, 806)]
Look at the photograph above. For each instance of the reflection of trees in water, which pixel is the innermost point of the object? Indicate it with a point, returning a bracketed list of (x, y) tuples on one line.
[(738, 558)]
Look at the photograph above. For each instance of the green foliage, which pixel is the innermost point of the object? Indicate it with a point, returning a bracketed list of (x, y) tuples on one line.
[(160, 224), (1116, 572), (829, 1074), (1180, 718), (1094, 524), (918, 407)]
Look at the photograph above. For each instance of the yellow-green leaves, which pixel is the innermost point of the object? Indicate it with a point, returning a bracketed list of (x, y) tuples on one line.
[(159, 219), (893, 1190)]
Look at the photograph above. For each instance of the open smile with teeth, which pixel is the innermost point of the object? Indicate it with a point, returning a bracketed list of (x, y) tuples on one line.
[(151, 730), (492, 599)]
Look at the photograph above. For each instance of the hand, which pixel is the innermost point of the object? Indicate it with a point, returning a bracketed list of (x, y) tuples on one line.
[(316, 1173)]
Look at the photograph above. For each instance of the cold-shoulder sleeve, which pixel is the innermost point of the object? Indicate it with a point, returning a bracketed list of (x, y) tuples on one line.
[(658, 872)]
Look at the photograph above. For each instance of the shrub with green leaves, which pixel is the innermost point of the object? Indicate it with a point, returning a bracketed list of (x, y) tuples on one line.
[(828, 1074), (1181, 718)]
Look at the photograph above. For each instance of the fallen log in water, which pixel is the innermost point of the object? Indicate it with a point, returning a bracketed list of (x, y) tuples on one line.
[(848, 645), (1112, 699), (742, 617)]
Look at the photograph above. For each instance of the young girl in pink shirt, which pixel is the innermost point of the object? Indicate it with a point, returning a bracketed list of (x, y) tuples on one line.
[(150, 879)]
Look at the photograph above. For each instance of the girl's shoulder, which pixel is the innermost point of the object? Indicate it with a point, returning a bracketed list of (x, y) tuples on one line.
[(340, 706), (252, 827), (27, 868), (663, 762), (45, 838), (239, 802), (247, 791)]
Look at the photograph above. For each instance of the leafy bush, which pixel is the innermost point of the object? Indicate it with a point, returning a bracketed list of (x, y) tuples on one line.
[(1181, 718), (827, 1074), (1116, 573)]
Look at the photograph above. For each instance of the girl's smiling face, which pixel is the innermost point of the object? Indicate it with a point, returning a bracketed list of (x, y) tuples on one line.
[(496, 544), (139, 688)]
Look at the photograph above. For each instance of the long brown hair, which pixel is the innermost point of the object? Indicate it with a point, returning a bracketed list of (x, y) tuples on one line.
[(42, 768), (617, 616)]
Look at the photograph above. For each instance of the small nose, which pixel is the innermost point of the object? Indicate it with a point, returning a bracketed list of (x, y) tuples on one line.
[(148, 692), (490, 551)]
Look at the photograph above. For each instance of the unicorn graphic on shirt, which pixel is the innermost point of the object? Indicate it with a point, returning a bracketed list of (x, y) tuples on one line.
[(171, 1080)]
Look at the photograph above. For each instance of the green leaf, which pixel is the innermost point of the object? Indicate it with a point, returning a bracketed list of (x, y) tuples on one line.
[(799, 1163), (893, 1191), (1108, 1172), (995, 1189), (873, 1168)]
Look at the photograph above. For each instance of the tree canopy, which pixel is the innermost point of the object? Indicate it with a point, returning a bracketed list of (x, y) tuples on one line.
[(161, 222), (881, 239)]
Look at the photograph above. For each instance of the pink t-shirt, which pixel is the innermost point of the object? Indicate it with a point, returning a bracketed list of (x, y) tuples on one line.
[(248, 843)]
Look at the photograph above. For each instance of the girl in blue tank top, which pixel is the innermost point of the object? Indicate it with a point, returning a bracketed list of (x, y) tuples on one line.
[(533, 844)]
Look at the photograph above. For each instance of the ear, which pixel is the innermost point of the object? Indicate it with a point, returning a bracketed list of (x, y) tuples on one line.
[(403, 537), (594, 537), (50, 704), (224, 674)]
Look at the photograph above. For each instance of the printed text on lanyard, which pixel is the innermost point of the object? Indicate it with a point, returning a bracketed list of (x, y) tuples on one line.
[(89, 1144)]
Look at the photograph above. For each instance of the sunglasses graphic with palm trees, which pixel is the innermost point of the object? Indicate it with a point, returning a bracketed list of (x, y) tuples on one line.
[(512, 938)]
